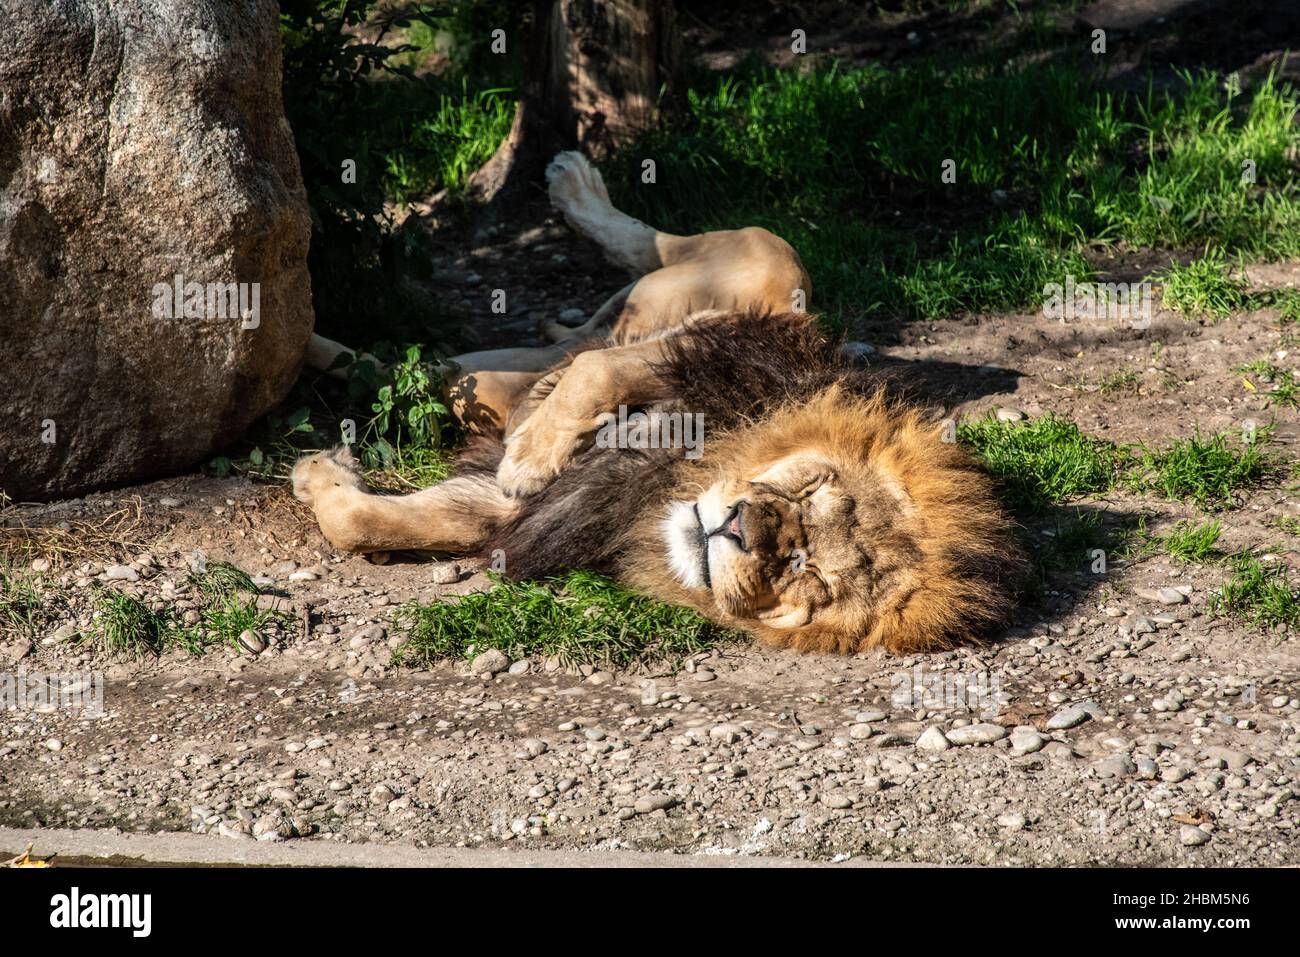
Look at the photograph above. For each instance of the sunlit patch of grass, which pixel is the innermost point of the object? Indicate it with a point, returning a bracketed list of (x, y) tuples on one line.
[(1209, 471), (1043, 462), (1204, 287), (1259, 593), (581, 618), (1193, 543), (123, 625)]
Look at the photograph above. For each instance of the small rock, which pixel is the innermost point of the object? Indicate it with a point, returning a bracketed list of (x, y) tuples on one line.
[(977, 734), (445, 573), (489, 662), (933, 740), (1007, 413), (1115, 766), (121, 573), (303, 575), (252, 642), (1192, 836), (519, 668), (1026, 740), (654, 802), (1012, 821), (1068, 717)]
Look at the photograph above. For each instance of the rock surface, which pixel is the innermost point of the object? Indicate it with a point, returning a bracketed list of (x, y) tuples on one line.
[(142, 140)]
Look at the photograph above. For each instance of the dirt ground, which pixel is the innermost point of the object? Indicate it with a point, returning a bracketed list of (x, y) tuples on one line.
[(745, 750), (1125, 729)]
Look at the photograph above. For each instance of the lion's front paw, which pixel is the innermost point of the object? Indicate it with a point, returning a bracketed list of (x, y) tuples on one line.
[(519, 475), (315, 473), (529, 466)]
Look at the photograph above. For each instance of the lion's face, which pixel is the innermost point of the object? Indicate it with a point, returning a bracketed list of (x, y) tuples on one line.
[(776, 545), (841, 525)]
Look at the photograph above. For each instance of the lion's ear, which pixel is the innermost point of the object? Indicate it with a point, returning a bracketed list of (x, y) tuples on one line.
[(344, 457)]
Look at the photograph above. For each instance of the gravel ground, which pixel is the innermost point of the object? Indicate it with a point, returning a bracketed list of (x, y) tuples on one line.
[(1119, 721)]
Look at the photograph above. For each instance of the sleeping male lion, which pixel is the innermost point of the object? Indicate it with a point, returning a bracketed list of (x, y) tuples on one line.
[(819, 513)]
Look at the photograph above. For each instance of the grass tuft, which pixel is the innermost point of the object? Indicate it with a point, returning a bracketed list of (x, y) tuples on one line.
[(1043, 462), (122, 625), (1259, 593), (1204, 287), (1193, 543), (1209, 471), (581, 618)]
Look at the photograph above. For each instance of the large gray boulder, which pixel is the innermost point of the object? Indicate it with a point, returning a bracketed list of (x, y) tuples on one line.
[(141, 141)]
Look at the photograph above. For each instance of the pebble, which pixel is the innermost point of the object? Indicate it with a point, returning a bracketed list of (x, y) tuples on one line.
[(445, 573), (654, 802), (169, 502), (1072, 716), (1191, 836), (1115, 766), (1232, 759), (1007, 413), (489, 662), (252, 642), (933, 740), (977, 734), (54, 744), (121, 573), (519, 668), (1012, 821), (1026, 740), (303, 575), (1165, 596)]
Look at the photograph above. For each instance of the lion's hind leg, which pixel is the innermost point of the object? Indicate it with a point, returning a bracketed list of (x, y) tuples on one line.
[(577, 190), (453, 517)]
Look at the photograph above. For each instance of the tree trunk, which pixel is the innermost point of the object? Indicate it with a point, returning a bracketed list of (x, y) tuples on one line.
[(593, 72)]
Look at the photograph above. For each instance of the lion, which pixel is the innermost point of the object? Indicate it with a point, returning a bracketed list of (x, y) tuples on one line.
[(822, 511)]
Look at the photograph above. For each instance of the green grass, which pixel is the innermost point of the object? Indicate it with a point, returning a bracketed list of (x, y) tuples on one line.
[(25, 609), (1259, 594), (1204, 287), (1209, 471), (1284, 392), (845, 163), (1043, 462), (123, 626), (1193, 544), (1067, 545), (581, 618)]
